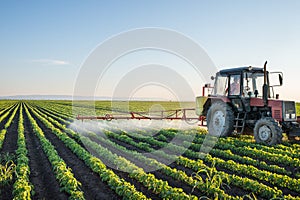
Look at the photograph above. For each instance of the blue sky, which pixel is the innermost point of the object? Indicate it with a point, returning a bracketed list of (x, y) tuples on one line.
[(44, 43)]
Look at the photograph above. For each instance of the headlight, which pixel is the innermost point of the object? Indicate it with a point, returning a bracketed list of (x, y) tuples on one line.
[(290, 116)]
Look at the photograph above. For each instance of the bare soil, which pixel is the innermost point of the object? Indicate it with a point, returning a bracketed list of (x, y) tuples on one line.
[(41, 176), (92, 186), (10, 146)]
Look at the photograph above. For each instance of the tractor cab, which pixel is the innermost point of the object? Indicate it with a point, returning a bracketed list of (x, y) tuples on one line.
[(244, 82), (241, 84)]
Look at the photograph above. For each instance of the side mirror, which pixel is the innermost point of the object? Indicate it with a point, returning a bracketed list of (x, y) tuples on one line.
[(280, 79), (275, 79)]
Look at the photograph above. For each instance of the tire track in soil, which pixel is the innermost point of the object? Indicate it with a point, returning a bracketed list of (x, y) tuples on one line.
[(92, 186), (42, 177)]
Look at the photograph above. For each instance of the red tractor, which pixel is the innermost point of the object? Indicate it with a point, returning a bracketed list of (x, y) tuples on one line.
[(243, 101)]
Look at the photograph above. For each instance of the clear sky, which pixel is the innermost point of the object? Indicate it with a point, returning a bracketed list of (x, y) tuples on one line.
[(44, 43)]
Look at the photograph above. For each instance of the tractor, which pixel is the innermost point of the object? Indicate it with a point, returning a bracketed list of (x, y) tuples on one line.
[(242, 101)]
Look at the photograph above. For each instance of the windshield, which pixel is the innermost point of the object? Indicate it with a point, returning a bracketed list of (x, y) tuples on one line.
[(221, 85), (253, 83)]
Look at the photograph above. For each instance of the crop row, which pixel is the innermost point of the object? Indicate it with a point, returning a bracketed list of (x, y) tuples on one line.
[(225, 153), (147, 179), (22, 186), (5, 113), (6, 109), (150, 162), (63, 174), (142, 146), (120, 186), (245, 183), (58, 111), (245, 150), (240, 148), (8, 123), (215, 152), (145, 147), (249, 170)]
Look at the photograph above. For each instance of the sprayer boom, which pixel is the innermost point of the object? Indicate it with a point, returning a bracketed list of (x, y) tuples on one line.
[(179, 114)]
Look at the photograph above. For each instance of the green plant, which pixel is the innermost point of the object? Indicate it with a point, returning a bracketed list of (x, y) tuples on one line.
[(212, 179), (254, 168), (7, 172), (63, 174), (23, 189), (6, 156), (122, 188), (250, 196)]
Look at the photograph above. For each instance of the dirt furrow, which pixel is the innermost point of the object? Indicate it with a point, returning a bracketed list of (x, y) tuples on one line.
[(11, 136), (10, 146), (158, 173), (92, 186), (41, 176), (3, 122), (188, 189)]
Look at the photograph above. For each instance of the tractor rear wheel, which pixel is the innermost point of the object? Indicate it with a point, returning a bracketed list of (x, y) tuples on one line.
[(267, 131), (220, 119)]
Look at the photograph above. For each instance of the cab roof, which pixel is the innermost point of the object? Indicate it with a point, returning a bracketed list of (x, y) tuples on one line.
[(239, 70)]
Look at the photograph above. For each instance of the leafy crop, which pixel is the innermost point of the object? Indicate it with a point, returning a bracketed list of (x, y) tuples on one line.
[(256, 171), (7, 172)]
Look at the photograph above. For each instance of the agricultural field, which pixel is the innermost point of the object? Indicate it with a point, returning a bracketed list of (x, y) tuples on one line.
[(47, 154)]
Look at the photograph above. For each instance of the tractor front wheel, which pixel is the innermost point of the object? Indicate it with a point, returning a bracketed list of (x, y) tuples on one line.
[(220, 119), (267, 131)]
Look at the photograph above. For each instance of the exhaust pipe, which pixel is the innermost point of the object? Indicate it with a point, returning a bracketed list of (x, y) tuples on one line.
[(265, 86)]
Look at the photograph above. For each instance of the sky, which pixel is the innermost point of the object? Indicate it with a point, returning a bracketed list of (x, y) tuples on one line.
[(43, 44)]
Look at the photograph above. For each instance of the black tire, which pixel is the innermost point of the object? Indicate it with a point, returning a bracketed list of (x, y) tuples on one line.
[(220, 119), (267, 131)]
